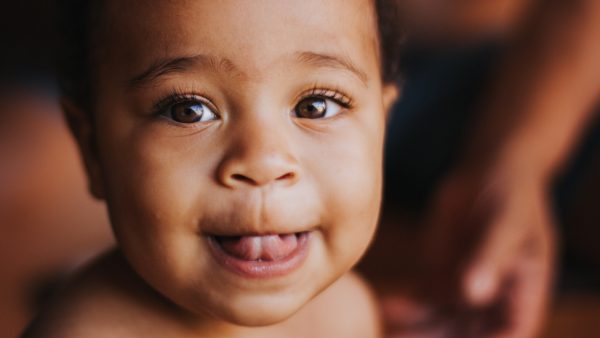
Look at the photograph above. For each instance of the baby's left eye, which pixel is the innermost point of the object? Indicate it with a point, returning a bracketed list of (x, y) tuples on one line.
[(316, 108)]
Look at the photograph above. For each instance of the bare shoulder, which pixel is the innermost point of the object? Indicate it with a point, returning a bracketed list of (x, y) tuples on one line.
[(104, 300), (348, 308)]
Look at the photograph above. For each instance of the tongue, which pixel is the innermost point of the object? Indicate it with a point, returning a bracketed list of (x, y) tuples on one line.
[(253, 248)]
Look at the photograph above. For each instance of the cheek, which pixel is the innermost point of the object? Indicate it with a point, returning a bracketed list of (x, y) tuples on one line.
[(153, 187), (348, 174)]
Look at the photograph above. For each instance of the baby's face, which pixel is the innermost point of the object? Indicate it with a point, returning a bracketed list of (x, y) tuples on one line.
[(239, 147)]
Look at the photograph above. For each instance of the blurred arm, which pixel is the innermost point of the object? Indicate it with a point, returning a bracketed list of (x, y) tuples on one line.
[(545, 89)]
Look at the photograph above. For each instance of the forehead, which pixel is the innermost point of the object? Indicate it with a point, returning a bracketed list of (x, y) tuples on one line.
[(255, 34)]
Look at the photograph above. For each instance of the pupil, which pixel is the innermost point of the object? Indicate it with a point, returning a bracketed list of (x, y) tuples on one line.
[(188, 113), (312, 108)]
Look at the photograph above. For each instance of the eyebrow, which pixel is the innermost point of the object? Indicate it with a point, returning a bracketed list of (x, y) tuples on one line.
[(332, 61), (180, 64), (171, 65)]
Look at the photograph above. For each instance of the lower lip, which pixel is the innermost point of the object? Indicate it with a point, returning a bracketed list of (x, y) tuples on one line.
[(262, 269)]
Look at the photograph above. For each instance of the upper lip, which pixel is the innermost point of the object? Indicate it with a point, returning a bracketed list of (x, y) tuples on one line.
[(243, 224), (258, 213)]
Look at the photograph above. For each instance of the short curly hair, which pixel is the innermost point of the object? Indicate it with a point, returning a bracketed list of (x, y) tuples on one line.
[(79, 17)]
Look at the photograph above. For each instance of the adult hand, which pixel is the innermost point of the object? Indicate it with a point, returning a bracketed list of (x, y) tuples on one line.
[(489, 252)]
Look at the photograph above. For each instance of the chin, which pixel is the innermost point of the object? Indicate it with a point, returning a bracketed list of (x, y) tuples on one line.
[(263, 312), (254, 318)]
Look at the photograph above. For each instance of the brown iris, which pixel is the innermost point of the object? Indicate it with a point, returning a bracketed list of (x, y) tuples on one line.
[(311, 108), (187, 112)]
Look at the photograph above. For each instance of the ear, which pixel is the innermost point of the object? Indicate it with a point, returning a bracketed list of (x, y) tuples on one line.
[(390, 93), (82, 127)]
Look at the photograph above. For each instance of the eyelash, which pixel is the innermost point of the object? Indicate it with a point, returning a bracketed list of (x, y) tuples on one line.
[(333, 94), (179, 96)]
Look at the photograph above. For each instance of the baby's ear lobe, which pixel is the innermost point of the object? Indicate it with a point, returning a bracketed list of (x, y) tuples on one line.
[(82, 127), (391, 92)]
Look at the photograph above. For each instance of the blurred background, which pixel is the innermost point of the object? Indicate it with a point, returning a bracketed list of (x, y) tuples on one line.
[(50, 225)]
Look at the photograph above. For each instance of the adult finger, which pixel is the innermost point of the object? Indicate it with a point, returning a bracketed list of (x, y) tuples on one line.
[(502, 245), (530, 292)]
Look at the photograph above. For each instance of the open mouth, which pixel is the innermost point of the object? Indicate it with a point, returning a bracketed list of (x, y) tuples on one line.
[(260, 255)]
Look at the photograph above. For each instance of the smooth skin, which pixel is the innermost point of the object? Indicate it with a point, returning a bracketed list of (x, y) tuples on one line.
[(197, 128)]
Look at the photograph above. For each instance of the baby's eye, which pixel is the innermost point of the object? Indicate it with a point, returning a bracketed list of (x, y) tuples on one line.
[(316, 108), (189, 112)]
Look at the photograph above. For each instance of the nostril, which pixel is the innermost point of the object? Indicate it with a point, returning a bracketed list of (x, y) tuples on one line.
[(287, 176), (242, 178)]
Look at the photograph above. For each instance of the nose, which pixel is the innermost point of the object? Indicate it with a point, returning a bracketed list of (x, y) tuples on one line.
[(257, 157)]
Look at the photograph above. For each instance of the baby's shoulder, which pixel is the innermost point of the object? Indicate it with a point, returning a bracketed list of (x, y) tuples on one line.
[(348, 308), (104, 300)]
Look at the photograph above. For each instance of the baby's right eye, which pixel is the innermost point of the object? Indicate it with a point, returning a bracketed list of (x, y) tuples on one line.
[(188, 111)]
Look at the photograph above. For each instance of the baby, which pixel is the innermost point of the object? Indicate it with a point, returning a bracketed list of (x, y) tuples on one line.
[(238, 146)]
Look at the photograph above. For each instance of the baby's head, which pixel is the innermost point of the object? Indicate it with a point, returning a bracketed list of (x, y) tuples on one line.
[(238, 144)]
